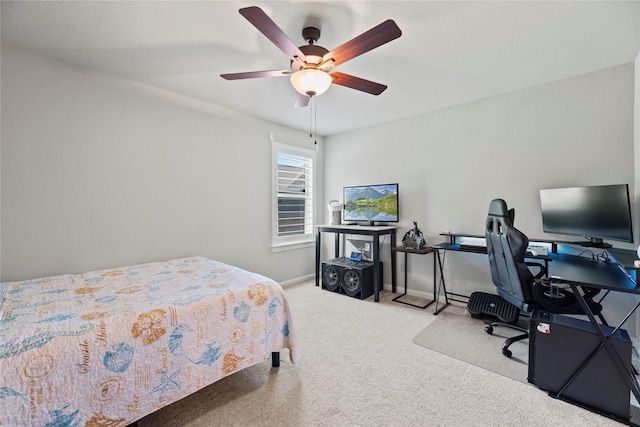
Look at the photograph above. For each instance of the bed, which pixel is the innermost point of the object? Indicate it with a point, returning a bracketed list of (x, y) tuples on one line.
[(109, 347)]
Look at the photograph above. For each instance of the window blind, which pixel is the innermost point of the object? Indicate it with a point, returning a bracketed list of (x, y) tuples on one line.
[(294, 176)]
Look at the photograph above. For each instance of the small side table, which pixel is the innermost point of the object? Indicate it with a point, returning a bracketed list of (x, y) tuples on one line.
[(407, 251)]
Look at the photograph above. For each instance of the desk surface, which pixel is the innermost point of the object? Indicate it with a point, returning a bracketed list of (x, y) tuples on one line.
[(576, 269), (455, 236), (592, 274), (356, 228), (476, 249), (625, 257)]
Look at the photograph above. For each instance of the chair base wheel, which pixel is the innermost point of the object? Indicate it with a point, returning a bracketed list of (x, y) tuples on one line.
[(507, 353), (489, 329)]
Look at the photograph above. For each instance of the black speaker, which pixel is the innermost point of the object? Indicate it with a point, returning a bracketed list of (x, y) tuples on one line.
[(558, 345), (330, 277), (349, 277), (358, 282)]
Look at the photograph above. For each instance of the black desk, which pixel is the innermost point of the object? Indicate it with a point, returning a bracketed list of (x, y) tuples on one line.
[(373, 231), (580, 272), (440, 253), (454, 244)]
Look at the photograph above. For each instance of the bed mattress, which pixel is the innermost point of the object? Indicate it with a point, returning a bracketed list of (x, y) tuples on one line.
[(109, 347)]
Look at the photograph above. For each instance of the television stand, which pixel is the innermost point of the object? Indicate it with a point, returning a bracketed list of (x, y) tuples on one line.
[(375, 233)]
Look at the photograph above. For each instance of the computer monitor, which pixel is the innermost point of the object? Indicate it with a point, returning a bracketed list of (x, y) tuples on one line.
[(594, 212)]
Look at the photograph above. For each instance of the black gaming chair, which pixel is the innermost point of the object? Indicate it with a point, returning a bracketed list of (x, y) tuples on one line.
[(514, 280)]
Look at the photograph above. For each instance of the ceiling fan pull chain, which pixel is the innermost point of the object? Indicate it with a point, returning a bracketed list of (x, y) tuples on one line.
[(311, 118), (315, 123)]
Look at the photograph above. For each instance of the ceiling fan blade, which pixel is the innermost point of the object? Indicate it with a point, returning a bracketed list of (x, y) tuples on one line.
[(357, 83), (255, 74), (301, 100), (376, 36), (270, 29)]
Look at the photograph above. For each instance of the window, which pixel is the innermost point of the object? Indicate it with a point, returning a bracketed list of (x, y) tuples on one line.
[(293, 173)]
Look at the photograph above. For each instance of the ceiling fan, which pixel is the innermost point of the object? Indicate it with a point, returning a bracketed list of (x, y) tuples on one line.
[(311, 64)]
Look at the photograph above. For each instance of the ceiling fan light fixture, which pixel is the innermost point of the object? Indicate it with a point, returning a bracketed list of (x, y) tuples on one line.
[(311, 81)]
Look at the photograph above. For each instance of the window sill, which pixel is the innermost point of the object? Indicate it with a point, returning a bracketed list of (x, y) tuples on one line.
[(281, 247)]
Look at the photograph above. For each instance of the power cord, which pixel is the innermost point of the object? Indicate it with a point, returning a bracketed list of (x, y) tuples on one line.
[(603, 256)]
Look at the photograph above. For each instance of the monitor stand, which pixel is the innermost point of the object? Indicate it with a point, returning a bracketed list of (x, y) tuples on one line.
[(594, 242)]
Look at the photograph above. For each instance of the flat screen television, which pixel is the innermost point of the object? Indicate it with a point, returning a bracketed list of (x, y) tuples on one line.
[(595, 212), (371, 203)]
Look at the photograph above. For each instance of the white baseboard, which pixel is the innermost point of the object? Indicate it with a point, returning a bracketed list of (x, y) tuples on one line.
[(297, 280), (386, 286)]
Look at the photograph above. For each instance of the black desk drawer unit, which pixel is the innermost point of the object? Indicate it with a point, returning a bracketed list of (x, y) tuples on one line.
[(558, 345)]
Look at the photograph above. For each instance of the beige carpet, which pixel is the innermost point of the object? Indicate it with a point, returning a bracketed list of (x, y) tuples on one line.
[(455, 333), (360, 367)]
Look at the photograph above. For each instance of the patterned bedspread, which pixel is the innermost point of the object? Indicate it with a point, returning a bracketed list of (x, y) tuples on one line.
[(106, 348)]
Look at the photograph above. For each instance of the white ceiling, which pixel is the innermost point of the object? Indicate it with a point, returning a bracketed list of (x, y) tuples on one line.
[(449, 53)]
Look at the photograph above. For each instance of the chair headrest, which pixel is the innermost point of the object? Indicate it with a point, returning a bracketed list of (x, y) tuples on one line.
[(498, 207)]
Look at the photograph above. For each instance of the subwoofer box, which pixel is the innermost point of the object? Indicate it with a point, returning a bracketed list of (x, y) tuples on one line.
[(558, 345), (349, 277)]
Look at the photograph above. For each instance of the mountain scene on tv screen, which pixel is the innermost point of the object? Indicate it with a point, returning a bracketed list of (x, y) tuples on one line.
[(375, 203)]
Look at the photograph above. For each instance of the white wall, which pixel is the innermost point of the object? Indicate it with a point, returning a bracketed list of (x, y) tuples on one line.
[(99, 172), (451, 163)]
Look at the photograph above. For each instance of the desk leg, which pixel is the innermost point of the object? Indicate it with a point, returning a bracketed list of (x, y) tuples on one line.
[(377, 280), (406, 267), (393, 264), (604, 342), (337, 250), (318, 272), (442, 285), (435, 281)]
